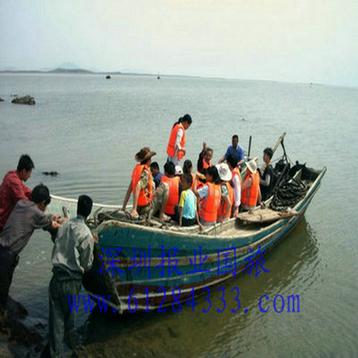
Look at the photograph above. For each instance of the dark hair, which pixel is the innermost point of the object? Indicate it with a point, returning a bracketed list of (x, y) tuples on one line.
[(235, 136), (232, 161), (187, 166), (208, 149), (169, 168), (213, 172), (269, 152), (84, 205), (40, 194), (185, 118), (154, 165), (188, 179), (25, 162)]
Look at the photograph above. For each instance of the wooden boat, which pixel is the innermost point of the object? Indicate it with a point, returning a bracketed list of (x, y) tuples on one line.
[(139, 267)]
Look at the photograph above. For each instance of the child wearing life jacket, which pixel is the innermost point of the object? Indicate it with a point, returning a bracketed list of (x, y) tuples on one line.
[(227, 192), (188, 170), (173, 183), (205, 157), (210, 197), (188, 213)]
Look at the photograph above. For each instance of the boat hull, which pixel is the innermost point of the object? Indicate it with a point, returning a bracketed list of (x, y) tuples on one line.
[(145, 269)]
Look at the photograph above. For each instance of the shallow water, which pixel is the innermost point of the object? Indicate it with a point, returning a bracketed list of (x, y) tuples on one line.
[(88, 129)]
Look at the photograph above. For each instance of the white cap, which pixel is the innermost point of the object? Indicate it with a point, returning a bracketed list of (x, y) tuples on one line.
[(178, 170), (252, 165), (224, 171)]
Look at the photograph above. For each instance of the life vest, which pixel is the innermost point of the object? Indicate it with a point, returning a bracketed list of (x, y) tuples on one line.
[(206, 165), (172, 139), (223, 205), (208, 210), (249, 195), (145, 195), (173, 194)]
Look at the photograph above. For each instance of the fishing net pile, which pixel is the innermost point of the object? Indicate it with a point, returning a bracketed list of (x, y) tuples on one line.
[(288, 193)]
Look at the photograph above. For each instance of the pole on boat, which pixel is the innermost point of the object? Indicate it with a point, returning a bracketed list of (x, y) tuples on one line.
[(274, 148), (286, 167), (249, 151), (279, 141)]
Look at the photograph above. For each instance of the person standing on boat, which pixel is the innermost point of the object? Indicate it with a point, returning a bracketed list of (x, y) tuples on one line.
[(236, 183), (27, 216), (141, 184), (72, 255), (251, 194), (235, 150), (227, 192), (13, 188), (266, 175), (204, 160), (176, 146), (210, 198)]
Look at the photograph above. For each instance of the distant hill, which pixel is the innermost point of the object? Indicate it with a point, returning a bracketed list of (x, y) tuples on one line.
[(69, 70), (69, 66), (63, 70)]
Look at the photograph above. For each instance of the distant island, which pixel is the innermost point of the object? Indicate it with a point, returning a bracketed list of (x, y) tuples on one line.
[(63, 70), (69, 70)]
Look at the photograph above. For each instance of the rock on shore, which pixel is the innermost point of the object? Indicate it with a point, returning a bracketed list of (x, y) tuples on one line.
[(24, 100), (18, 334), (1, 99)]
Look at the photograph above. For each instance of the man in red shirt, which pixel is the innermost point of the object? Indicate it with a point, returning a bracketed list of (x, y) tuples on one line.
[(13, 188)]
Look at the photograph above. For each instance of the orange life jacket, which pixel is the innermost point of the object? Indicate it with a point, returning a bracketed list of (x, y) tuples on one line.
[(172, 140), (145, 195), (206, 165), (250, 195), (223, 205), (173, 195), (209, 206)]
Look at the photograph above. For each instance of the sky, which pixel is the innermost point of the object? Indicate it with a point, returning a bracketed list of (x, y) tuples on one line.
[(282, 40)]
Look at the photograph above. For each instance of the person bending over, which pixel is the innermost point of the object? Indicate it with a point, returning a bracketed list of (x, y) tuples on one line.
[(27, 216)]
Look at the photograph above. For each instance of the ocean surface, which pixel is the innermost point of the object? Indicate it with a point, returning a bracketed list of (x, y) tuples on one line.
[(89, 129)]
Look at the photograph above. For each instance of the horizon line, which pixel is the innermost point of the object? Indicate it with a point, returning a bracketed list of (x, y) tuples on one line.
[(83, 71)]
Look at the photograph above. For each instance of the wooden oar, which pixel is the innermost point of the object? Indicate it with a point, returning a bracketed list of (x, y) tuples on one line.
[(279, 141)]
